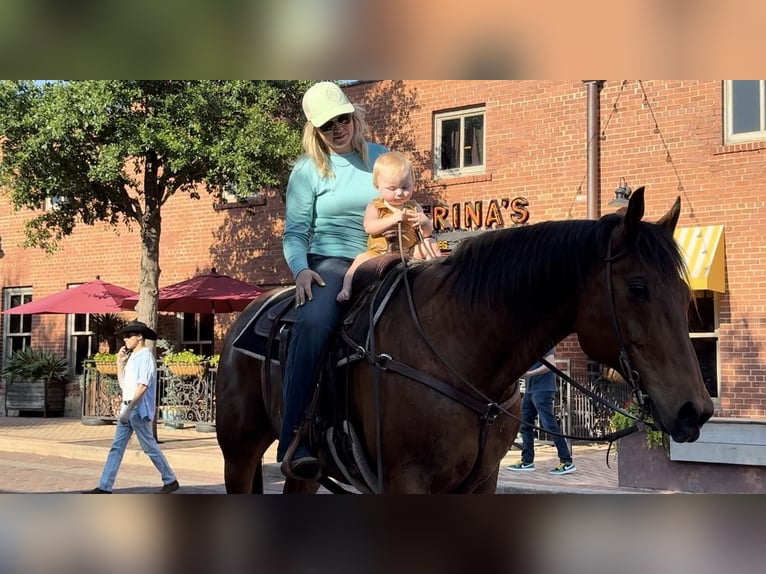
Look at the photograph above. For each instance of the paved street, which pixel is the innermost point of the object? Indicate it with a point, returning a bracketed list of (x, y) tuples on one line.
[(62, 455)]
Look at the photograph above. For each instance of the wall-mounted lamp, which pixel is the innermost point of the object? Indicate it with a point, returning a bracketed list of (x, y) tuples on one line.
[(2, 253), (621, 195)]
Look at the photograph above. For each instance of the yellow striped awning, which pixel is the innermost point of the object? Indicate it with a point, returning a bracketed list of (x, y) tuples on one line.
[(703, 249)]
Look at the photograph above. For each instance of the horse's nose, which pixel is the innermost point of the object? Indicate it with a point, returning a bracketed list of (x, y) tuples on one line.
[(689, 420)]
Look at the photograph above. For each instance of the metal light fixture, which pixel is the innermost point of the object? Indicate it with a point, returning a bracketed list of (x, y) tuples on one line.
[(621, 195)]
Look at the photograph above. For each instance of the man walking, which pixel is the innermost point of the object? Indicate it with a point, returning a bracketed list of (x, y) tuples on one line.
[(539, 395), (137, 376)]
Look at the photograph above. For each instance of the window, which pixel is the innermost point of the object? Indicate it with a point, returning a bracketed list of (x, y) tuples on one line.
[(745, 110), (232, 197), (197, 332), (17, 329), (54, 202), (82, 339), (459, 142), (703, 330)]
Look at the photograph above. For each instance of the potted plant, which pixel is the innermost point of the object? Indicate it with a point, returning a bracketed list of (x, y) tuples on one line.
[(35, 381), (643, 458), (185, 363), (106, 363)]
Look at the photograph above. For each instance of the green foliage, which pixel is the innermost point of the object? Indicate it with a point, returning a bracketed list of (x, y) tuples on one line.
[(619, 421), (105, 357), (184, 357), (115, 151), (34, 365), (214, 360), (79, 140)]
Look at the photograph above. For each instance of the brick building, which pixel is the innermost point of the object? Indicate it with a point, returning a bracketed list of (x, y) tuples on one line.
[(497, 153)]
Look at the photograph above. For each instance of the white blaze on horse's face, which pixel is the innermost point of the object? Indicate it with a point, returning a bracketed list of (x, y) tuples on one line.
[(644, 310)]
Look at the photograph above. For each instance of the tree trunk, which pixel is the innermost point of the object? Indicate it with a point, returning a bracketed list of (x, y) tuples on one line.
[(151, 226)]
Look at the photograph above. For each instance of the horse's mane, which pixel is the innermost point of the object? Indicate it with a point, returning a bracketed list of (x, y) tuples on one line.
[(532, 266)]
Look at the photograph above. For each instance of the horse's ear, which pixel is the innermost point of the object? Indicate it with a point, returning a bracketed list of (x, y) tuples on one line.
[(634, 213), (670, 219)]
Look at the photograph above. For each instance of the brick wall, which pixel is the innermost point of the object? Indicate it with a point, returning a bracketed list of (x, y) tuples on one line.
[(536, 147)]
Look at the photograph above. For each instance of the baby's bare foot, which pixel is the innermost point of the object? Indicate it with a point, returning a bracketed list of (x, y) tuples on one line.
[(344, 295)]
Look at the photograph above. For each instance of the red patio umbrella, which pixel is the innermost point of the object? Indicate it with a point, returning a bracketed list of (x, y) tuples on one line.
[(210, 293), (92, 297)]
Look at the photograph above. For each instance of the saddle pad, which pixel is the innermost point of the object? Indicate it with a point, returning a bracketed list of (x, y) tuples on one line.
[(254, 336)]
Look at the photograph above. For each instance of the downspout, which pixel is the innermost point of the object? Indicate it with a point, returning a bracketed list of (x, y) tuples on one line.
[(594, 147)]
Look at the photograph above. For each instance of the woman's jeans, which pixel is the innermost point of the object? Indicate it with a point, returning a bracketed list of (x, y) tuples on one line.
[(143, 430), (309, 336), (540, 404)]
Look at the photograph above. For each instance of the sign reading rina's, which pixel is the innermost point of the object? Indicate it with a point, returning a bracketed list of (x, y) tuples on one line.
[(475, 215)]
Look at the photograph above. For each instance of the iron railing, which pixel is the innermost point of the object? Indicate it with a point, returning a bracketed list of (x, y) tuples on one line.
[(181, 400)]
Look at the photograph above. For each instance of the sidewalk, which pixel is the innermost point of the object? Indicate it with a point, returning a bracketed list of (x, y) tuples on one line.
[(188, 449)]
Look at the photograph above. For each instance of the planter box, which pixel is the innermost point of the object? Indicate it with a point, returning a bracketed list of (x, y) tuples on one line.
[(187, 369), (641, 467), (107, 368), (47, 398)]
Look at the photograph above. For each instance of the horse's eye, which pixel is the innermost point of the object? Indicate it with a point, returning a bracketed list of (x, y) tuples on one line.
[(639, 289)]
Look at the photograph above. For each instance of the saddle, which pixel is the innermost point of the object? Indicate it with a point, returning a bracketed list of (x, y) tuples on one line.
[(267, 337)]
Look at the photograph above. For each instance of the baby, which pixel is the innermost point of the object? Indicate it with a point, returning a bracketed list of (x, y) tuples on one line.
[(393, 178)]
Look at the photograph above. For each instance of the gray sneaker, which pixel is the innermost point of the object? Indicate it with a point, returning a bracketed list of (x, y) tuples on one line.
[(522, 466), (564, 468)]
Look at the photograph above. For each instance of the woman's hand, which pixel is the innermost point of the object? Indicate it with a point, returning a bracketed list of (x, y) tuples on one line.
[(303, 286)]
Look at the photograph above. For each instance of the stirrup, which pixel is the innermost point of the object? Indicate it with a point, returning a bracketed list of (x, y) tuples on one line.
[(287, 461)]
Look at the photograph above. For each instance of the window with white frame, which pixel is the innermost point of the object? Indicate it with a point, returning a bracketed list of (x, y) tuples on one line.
[(459, 142), (703, 331), (82, 339), (17, 329), (744, 110)]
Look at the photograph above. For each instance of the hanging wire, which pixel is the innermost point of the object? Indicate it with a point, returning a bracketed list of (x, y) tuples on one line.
[(668, 156)]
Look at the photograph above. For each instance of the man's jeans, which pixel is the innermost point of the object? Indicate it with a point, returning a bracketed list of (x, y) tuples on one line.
[(308, 338), (540, 404), (143, 429)]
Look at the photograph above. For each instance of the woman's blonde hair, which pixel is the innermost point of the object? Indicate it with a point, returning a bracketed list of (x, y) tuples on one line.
[(316, 149), (392, 162)]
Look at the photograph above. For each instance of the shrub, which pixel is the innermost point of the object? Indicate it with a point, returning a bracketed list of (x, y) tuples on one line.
[(619, 421), (185, 357), (34, 365)]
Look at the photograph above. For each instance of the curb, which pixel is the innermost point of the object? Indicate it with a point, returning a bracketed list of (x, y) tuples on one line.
[(189, 459)]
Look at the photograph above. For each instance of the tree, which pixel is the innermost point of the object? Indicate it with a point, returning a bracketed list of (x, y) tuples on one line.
[(116, 150)]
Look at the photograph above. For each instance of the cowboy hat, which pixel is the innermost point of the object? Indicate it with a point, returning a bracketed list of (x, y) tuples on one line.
[(139, 328)]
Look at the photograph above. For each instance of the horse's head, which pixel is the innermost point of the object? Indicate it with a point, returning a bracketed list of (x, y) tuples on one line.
[(639, 302)]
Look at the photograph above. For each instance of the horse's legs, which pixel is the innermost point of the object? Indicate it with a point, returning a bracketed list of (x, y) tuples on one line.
[(293, 486), (243, 464), (489, 486)]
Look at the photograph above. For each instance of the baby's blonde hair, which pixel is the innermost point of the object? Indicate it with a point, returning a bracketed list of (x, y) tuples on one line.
[(393, 162)]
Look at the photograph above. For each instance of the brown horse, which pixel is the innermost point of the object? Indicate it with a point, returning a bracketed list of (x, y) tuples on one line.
[(475, 321)]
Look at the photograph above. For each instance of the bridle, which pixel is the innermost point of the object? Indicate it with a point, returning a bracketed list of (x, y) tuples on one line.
[(631, 376)]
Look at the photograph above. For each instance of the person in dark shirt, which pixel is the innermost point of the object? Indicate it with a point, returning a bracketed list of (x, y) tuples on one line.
[(539, 394)]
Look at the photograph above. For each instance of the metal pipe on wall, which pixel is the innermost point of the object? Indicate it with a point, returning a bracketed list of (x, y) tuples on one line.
[(594, 148)]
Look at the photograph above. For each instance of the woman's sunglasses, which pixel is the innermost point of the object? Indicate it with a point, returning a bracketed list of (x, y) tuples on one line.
[(329, 126)]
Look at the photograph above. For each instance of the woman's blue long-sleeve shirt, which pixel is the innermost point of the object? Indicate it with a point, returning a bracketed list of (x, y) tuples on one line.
[(325, 216)]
